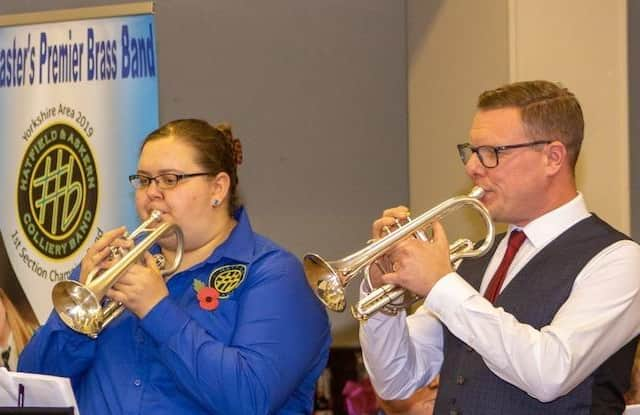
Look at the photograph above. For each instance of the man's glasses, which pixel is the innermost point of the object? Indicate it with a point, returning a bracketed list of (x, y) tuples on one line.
[(488, 155), (164, 181)]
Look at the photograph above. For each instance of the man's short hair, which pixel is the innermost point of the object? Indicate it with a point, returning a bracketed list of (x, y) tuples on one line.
[(548, 112)]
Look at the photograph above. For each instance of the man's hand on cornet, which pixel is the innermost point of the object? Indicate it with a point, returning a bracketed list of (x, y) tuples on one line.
[(413, 264)]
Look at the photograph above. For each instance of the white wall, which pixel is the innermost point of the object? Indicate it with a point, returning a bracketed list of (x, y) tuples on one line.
[(583, 44), (633, 34), (457, 49)]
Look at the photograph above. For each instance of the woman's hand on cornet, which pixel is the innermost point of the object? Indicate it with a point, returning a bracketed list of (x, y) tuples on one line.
[(100, 255), (141, 287)]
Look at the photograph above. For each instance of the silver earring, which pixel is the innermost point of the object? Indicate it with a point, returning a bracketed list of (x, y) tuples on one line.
[(215, 203)]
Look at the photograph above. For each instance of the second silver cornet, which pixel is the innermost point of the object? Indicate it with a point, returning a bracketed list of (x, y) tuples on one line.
[(328, 279)]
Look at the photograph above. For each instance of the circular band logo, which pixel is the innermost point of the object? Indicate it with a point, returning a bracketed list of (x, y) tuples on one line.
[(226, 279), (57, 191)]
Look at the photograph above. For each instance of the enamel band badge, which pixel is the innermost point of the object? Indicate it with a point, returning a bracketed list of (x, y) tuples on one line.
[(226, 279)]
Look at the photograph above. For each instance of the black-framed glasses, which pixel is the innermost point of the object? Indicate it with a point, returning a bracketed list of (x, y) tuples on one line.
[(488, 155), (164, 181)]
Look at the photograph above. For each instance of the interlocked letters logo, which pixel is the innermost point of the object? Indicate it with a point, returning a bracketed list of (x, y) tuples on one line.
[(57, 191)]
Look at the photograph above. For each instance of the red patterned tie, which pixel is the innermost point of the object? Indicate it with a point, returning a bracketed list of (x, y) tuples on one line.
[(515, 241)]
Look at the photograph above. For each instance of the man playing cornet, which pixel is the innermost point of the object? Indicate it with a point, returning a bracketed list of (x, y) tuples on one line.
[(546, 322)]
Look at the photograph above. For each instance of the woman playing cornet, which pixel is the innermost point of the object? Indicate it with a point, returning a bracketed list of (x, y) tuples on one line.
[(234, 330)]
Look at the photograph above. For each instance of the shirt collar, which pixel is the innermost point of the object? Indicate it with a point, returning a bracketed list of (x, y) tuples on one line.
[(239, 246), (549, 226)]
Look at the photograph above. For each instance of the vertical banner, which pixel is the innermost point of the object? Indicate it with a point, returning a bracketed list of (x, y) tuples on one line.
[(77, 98)]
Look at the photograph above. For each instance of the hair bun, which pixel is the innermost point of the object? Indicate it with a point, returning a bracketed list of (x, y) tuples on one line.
[(237, 150), (236, 145)]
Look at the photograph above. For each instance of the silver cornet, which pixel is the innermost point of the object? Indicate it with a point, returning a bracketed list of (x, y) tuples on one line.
[(328, 279), (81, 306)]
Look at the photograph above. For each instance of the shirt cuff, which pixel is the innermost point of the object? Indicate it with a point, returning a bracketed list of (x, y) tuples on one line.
[(448, 294), (164, 320)]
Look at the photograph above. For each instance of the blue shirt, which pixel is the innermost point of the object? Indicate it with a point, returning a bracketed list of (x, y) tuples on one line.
[(260, 351)]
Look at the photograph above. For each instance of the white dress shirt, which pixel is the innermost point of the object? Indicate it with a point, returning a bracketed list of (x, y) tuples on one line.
[(601, 315)]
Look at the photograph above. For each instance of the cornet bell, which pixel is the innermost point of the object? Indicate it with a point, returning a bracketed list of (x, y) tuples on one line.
[(325, 282), (77, 306)]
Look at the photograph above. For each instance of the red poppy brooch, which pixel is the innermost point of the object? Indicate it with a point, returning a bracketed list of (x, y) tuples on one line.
[(207, 296)]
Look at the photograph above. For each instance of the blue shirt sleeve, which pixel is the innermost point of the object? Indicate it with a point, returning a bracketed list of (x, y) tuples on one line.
[(57, 350)]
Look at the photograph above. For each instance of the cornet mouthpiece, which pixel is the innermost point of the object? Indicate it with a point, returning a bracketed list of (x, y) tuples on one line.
[(477, 192)]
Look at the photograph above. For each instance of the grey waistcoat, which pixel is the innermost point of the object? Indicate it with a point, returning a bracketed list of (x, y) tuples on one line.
[(534, 296)]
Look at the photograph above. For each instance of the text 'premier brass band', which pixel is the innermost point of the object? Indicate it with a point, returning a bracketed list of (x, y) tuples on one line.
[(81, 306), (328, 279)]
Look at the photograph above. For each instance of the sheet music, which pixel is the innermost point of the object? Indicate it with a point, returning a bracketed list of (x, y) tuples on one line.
[(39, 390)]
